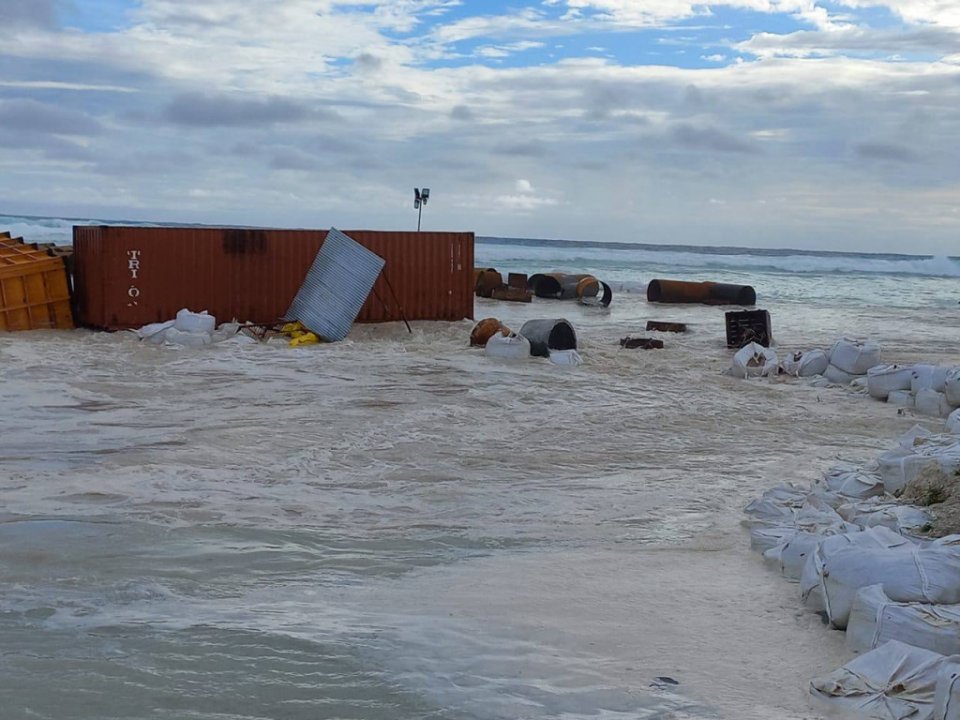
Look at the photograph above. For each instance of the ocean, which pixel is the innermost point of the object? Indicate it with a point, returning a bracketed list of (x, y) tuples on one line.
[(397, 526)]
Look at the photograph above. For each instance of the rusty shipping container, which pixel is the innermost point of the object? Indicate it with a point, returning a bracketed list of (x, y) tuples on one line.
[(126, 277)]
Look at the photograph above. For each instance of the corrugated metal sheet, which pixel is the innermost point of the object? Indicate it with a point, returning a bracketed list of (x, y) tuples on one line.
[(126, 277), (336, 286)]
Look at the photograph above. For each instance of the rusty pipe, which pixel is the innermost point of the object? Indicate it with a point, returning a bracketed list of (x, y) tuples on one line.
[(707, 293)]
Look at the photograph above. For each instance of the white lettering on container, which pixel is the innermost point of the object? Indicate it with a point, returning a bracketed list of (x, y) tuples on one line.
[(133, 265)]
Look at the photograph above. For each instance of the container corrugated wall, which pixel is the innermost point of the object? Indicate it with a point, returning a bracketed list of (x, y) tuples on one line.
[(126, 277)]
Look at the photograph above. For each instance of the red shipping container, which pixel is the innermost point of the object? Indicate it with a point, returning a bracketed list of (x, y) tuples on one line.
[(126, 277)]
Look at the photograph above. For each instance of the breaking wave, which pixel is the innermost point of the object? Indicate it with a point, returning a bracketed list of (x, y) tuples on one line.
[(648, 257)]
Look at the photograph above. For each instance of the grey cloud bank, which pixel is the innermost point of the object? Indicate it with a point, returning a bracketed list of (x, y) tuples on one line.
[(235, 117)]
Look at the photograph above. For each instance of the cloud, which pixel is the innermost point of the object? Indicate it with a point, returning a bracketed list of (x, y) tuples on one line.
[(811, 130), (885, 151), (32, 117), (27, 13), (707, 138), (226, 111), (810, 43)]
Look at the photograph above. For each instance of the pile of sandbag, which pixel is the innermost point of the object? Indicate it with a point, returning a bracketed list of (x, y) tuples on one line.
[(849, 359), (809, 363), (846, 361), (754, 360), (936, 390), (931, 390), (862, 561), (189, 329), (916, 451)]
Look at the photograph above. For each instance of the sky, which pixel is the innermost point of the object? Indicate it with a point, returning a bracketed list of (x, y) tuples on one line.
[(812, 124)]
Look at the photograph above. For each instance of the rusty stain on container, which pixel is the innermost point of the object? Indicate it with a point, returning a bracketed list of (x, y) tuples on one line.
[(34, 290), (126, 277), (486, 329)]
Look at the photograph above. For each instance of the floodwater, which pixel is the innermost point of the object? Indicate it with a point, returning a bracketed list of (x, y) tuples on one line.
[(398, 527)]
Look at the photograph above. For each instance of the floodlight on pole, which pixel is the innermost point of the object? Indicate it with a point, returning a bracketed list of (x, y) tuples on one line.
[(420, 198)]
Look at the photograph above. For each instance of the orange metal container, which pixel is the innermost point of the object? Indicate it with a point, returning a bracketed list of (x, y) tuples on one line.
[(126, 277), (34, 293)]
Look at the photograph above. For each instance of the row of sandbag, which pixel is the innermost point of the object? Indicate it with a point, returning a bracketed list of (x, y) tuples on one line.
[(846, 360), (929, 389), (848, 543)]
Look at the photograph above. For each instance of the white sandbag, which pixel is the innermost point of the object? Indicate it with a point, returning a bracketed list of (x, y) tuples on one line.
[(192, 322), (916, 434), (946, 699), (754, 360), (876, 619), (951, 387), (851, 483), (154, 331), (855, 356), (908, 573), (899, 467), (805, 364), (225, 331), (765, 537), (893, 682), (790, 555), (876, 512), (928, 377), (811, 579), (512, 347), (884, 379), (933, 403), (953, 423), (173, 336), (789, 507), (838, 376), (565, 357), (902, 398)]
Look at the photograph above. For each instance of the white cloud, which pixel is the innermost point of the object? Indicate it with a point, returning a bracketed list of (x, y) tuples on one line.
[(237, 112)]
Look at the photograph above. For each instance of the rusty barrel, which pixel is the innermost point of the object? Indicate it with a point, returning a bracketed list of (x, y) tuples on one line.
[(563, 286), (707, 293), (486, 280), (486, 329)]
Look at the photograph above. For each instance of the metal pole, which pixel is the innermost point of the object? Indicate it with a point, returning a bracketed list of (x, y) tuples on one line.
[(419, 212)]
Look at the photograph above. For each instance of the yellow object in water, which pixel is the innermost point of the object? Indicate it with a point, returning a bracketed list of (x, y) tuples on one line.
[(293, 327), (305, 338)]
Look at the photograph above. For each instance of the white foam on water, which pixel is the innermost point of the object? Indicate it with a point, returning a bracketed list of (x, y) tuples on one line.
[(397, 526)]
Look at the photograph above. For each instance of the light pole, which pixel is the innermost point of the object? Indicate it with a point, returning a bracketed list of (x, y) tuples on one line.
[(420, 198)]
